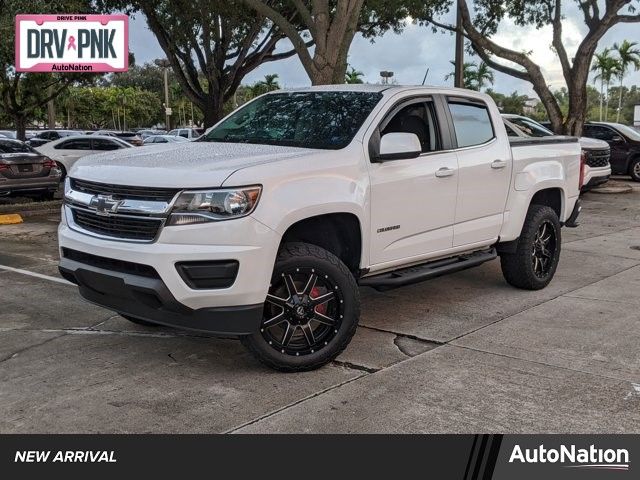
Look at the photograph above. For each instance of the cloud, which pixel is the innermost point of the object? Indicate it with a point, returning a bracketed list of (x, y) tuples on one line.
[(417, 49)]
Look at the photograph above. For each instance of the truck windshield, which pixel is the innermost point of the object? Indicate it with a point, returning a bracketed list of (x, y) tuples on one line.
[(324, 120)]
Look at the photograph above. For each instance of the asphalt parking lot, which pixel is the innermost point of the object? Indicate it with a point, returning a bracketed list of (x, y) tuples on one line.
[(464, 353)]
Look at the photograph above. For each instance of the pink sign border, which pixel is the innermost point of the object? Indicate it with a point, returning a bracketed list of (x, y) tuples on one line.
[(96, 67)]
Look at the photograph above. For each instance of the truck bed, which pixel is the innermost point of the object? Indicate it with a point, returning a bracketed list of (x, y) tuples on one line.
[(525, 141)]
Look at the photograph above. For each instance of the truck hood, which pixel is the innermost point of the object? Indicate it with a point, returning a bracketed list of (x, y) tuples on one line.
[(593, 144), (180, 165)]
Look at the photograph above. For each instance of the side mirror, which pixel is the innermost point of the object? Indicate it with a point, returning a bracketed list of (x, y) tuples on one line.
[(399, 146), (617, 138)]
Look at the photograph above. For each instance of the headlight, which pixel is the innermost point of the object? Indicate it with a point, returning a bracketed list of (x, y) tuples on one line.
[(203, 206)]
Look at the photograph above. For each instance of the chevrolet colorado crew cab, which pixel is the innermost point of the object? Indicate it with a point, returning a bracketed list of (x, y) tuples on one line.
[(266, 226)]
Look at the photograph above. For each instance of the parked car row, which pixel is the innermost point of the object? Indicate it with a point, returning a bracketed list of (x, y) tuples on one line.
[(135, 138)]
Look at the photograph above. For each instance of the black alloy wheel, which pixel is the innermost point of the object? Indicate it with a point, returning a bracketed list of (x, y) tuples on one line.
[(544, 249), (303, 311), (533, 263), (311, 311)]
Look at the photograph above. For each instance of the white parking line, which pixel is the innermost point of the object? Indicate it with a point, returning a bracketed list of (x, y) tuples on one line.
[(35, 274)]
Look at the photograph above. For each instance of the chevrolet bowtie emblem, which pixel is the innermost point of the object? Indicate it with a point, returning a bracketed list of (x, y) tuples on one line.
[(105, 205)]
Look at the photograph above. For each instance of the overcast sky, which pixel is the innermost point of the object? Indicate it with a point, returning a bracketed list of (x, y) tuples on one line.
[(417, 49)]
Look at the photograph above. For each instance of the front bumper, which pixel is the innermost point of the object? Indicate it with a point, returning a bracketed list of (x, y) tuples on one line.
[(167, 298), (148, 298), (595, 176)]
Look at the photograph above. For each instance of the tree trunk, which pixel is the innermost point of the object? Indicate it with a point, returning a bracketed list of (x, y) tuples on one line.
[(329, 68), (21, 127), (213, 110)]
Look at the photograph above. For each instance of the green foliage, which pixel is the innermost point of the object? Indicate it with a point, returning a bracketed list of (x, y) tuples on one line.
[(475, 76), (514, 103), (109, 107), (353, 76), (24, 95)]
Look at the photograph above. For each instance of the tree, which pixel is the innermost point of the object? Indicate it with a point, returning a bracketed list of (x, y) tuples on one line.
[(353, 76), (606, 68), (332, 25), (332, 30), (474, 76), (468, 74), (270, 82), (484, 76), (23, 95), (211, 46), (599, 17), (628, 55), (513, 103)]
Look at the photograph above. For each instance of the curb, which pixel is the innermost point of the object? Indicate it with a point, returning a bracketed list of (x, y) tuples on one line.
[(31, 208), (10, 219), (612, 189)]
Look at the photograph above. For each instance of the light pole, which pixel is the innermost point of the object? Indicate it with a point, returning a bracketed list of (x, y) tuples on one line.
[(386, 77), (165, 64), (459, 62)]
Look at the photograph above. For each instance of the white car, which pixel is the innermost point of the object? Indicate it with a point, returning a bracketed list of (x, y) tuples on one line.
[(597, 166), (267, 225), (163, 139), (67, 150), (188, 133)]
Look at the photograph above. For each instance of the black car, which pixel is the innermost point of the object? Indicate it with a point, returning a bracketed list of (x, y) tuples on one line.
[(47, 136), (625, 146)]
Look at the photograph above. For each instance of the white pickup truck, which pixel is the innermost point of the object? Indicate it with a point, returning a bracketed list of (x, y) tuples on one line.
[(267, 225)]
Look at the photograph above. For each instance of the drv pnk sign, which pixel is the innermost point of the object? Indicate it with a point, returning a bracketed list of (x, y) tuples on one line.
[(72, 43)]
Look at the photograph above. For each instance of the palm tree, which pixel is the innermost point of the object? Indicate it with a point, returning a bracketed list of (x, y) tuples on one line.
[(468, 74), (628, 55), (606, 67), (353, 76), (484, 75), (270, 82)]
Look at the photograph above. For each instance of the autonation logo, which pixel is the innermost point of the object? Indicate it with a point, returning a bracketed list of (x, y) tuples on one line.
[(573, 457)]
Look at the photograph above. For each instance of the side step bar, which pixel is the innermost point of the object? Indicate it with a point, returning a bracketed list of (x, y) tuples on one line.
[(426, 271)]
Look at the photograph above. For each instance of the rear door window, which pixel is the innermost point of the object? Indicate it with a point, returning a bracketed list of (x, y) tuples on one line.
[(104, 144), (471, 123), (75, 144), (601, 133)]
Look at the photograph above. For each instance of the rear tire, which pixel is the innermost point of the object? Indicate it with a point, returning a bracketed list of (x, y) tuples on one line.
[(299, 330), (46, 196), (138, 321), (534, 263), (634, 169)]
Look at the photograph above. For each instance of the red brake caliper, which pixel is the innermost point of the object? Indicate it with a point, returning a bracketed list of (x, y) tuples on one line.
[(322, 309)]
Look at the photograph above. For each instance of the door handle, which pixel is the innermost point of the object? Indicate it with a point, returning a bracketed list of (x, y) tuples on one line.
[(497, 164), (445, 172)]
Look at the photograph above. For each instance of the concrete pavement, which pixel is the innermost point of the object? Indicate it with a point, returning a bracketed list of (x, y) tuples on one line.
[(464, 353)]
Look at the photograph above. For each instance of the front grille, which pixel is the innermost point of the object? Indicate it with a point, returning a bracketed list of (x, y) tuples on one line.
[(598, 158), (118, 226), (110, 263), (123, 191)]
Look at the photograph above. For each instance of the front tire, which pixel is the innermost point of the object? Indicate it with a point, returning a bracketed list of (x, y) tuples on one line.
[(534, 263), (634, 169), (311, 312)]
